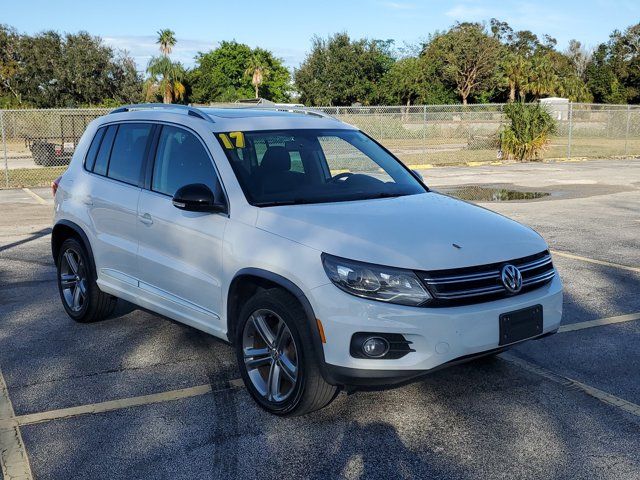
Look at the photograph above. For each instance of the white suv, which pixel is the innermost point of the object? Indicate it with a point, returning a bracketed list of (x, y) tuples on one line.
[(299, 239)]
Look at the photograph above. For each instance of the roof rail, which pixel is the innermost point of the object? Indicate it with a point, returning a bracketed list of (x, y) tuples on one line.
[(193, 111), (306, 111)]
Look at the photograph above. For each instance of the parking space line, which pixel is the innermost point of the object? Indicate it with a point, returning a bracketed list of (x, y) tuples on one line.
[(594, 261), (14, 462), (600, 395), (631, 317), (110, 405), (35, 196)]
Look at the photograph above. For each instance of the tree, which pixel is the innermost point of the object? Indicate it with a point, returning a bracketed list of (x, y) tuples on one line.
[(257, 70), (341, 71), (516, 70), (414, 80), (579, 57), (68, 71), (220, 75), (167, 40), (470, 57), (165, 76), (613, 74), (165, 80), (9, 66)]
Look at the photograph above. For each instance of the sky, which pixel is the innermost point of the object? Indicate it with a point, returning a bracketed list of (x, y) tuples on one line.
[(287, 27)]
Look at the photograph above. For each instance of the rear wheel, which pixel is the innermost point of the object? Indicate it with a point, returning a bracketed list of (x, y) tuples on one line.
[(275, 356), (81, 297)]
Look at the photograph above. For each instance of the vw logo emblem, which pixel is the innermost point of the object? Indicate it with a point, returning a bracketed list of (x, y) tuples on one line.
[(511, 278)]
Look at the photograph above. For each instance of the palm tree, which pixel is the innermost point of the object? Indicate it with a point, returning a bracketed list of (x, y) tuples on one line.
[(542, 80), (257, 70), (166, 40), (516, 71), (165, 79)]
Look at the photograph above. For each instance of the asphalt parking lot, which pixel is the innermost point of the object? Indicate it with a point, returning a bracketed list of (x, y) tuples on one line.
[(140, 396)]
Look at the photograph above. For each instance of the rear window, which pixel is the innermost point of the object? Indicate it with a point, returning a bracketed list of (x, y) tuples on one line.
[(128, 152)]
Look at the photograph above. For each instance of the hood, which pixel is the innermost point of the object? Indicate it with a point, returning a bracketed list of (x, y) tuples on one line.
[(414, 231)]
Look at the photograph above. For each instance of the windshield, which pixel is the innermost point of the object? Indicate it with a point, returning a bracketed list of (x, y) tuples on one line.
[(313, 166)]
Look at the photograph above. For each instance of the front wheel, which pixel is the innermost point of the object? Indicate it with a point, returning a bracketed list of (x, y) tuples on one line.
[(275, 356)]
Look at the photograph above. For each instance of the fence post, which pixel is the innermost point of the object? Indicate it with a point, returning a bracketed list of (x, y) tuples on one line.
[(570, 129), (626, 136), (4, 146), (424, 127)]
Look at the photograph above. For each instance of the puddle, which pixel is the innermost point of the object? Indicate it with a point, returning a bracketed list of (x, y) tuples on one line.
[(484, 194)]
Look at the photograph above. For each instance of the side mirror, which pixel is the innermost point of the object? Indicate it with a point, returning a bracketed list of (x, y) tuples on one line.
[(197, 197), (418, 175)]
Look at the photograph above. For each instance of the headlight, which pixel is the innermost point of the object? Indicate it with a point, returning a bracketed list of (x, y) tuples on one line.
[(386, 284)]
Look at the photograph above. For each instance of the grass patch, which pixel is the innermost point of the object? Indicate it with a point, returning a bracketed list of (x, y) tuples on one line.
[(30, 177)]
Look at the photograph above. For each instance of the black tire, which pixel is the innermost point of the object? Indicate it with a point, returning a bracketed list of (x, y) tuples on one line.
[(310, 392), (95, 304)]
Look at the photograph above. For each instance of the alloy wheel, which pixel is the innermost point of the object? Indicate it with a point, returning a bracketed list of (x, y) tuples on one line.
[(73, 280), (270, 355)]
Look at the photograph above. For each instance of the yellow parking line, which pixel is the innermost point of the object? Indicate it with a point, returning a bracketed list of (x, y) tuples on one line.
[(601, 395), (37, 197), (110, 405), (594, 261), (14, 462), (599, 322)]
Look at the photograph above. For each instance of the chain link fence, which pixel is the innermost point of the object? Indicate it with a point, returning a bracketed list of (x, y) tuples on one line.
[(38, 144)]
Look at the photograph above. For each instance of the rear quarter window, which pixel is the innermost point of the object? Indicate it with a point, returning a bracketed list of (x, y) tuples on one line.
[(102, 158), (128, 152), (90, 160)]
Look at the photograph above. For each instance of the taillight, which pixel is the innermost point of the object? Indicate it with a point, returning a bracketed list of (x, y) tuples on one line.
[(54, 185)]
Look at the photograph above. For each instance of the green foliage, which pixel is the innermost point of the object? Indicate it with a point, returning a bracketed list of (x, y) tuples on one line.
[(413, 80), (466, 57), (165, 80), (220, 75), (52, 70), (341, 71), (613, 75), (527, 134)]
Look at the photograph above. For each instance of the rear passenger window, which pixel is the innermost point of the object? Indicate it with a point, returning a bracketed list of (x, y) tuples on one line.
[(93, 149), (102, 159), (181, 160), (128, 151)]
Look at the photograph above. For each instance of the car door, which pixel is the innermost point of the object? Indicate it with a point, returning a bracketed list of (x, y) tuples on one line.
[(116, 158), (180, 252)]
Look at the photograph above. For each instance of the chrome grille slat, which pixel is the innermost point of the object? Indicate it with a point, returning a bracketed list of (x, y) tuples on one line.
[(539, 278), (463, 278), (481, 283), (532, 265), (472, 292)]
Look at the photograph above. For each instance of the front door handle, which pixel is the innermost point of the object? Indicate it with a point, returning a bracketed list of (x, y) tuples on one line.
[(146, 219)]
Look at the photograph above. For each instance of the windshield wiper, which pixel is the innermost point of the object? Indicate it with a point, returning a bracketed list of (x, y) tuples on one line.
[(386, 195), (277, 203)]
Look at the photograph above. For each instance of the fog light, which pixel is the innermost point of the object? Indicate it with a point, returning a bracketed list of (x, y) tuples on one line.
[(375, 347)]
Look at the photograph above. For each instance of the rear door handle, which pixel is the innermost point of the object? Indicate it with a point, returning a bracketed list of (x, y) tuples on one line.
[(146, 219), (87, 200)]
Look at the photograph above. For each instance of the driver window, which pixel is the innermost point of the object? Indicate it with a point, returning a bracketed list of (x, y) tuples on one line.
[(181, 159), (342, 157)]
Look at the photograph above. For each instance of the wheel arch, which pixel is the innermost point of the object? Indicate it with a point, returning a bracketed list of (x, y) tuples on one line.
[(247, 281), (64, 229)]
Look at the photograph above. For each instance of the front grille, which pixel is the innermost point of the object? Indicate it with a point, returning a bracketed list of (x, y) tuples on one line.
[(463, 286)]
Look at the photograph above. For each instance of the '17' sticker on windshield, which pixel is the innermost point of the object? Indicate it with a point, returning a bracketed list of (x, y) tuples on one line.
[(232, 140)]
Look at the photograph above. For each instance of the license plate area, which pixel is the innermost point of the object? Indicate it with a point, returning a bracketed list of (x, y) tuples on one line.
[(520, 324)]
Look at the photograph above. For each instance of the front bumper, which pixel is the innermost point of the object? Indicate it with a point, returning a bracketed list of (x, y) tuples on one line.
[(440, 336)]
